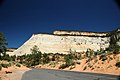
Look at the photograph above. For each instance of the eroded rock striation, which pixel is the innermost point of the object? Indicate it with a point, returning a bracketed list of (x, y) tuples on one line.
[(66, 41)]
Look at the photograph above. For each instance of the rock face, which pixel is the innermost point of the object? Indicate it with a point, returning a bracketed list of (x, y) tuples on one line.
[(64, 42), (10, 51), (77, 33)]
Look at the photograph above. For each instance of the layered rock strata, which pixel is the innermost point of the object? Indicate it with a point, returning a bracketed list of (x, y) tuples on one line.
[(66, 41)]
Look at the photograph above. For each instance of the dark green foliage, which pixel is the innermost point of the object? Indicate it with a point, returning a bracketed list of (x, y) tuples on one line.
[(66, 65), (117, 64), (99, 52), (3, 44), (6, 57), (3, 49), (89, 53), (103, 57), (53, 58), (34, 59), (95, 53), (0, 67), (68, 61), (69, 57), (18, 65), (5, 65), (30, 59), (45, 58), (63, 66), (114, 48), (13, 58), (35, 56)]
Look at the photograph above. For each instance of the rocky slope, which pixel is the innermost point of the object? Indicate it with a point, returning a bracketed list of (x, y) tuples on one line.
[(95, 65), (54, 43)]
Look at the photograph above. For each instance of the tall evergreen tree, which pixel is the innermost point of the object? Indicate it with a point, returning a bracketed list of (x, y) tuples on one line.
[(3, 44), (36, 56)]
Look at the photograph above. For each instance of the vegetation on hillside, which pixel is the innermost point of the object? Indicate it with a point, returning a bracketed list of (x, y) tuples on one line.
[(36, 58), (68, 60)]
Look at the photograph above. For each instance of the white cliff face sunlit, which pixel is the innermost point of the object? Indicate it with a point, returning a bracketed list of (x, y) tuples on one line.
[(63, 42)]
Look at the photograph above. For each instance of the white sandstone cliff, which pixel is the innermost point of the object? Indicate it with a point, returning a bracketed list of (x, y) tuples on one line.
[(52, 43)]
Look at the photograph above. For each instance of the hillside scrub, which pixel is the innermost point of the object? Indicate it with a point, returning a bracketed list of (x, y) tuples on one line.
[(63, 60), (117, 64), (18, 65)]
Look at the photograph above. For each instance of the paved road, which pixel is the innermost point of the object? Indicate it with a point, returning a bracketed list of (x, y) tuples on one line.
[(48, 74)]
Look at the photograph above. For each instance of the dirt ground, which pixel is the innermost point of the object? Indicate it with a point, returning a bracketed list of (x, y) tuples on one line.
[(13, 73)]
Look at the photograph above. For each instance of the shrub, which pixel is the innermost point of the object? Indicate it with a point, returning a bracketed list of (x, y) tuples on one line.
[(114, 47), (45, 58), (103, 57), (5, 65), (85, 68), (95, 53), (10, 64), (6, 57), (117, 64), (78, 63), (102, 51), (63, 66), (53, 58), (18, 65), (13, 58), (31, 59), (67, 64), (89, 53), (0, 67)]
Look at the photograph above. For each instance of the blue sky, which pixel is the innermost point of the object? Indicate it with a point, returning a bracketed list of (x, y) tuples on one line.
[(19, 19)]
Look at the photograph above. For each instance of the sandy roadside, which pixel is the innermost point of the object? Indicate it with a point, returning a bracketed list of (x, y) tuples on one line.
[(18, 72), (15, 75)]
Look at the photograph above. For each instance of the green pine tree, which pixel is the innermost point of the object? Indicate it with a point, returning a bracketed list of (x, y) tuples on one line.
[(3, 44)]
